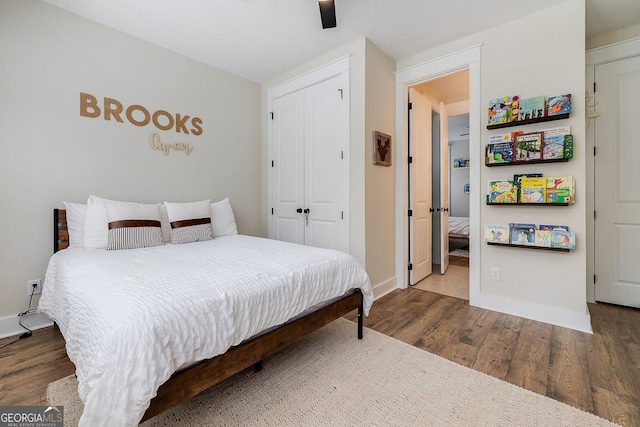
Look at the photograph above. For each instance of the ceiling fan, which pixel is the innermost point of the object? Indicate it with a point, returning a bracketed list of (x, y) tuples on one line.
[(327, 13)]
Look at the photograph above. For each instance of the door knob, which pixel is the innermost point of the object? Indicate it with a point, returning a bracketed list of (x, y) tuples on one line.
[(299, 210)]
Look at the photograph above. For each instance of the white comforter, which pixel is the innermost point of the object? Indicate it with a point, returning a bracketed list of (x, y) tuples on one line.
[(131, 318)]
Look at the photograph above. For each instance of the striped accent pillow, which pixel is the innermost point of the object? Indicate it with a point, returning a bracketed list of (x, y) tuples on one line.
[(190, 222), (134, 233)]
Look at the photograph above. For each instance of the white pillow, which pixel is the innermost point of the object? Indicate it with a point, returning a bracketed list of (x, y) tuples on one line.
[(132, 225), (75, 222), (224, 223), (96, 223), (190, 222), (166, 227)]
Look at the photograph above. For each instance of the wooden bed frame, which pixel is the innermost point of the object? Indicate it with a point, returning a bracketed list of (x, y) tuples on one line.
[(187, 383)]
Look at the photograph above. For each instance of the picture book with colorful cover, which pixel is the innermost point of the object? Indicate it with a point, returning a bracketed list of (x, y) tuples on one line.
[(497, 233), (559, 105), (563, 239), (522, 234), (502, 191), (501, 152), (543, 238), (553, 147), (502, 110), (560, 189), (528, 146), (531, 108), (553, 227), (518, 176), (533, 190)]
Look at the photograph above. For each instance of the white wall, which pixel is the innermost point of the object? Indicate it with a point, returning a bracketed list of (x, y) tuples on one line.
[(49, 153), (520, 58), (459, 200), (379, 180)]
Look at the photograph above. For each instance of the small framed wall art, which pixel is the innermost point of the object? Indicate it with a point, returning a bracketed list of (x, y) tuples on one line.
[(381, 149)]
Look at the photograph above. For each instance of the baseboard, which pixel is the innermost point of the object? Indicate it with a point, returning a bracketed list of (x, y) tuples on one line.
[(9, 326), (381, 289), (542, 313)]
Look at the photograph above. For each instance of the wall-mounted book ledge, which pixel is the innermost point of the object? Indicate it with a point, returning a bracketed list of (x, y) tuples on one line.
[(529, 121), (528, 162), (527, 204), (529, 247)]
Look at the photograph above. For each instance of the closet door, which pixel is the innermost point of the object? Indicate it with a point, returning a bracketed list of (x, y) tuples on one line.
[(287, 171), (309, 183), (326, 166)]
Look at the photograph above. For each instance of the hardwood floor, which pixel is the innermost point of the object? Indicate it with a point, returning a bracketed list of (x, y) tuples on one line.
[(597, 373)]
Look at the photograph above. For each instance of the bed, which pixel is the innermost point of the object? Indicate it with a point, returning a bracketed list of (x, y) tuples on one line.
[(459, 228), (150, 327)]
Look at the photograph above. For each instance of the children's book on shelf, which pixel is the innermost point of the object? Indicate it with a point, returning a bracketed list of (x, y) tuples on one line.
[(560, 104), (543, 238), (532, 108), (502, 191), (497, 233), (522, 234), (529, 146), (553, 227), (553, 147), (518, 176), (501, 152), (568, 146), (563, 239), (533, 190), (501, 110), (560, 189)]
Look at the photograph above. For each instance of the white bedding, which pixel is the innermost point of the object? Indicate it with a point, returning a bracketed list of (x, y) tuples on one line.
[(131, 318), (459, 225)]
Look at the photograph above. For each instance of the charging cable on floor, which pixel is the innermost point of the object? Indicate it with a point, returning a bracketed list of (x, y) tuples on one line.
[(20, 316)]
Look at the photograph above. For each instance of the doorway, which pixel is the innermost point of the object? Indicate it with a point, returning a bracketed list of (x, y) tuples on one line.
[(448, 173), (464, 60)]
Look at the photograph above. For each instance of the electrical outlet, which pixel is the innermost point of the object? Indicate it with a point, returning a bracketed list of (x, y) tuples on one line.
[(38, 285), (495, 273)]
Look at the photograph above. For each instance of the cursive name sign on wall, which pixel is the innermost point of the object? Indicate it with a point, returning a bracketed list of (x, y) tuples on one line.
[(137, 115)]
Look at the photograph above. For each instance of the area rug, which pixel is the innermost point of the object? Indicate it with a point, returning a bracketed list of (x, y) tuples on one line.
[(331, 378)]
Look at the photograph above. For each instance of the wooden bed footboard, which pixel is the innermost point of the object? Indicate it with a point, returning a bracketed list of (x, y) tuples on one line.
[(189, 382)]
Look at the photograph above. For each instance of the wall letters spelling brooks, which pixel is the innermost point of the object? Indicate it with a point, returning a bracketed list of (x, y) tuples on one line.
[(161, 119)]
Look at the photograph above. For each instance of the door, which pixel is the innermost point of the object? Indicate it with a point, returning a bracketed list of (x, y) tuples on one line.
[(617, 192), (287, 168), (326, 171), (310, 165), (420, 203), (444, 189)]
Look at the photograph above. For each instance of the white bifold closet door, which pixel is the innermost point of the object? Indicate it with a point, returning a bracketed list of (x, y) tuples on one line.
[(310, 166)]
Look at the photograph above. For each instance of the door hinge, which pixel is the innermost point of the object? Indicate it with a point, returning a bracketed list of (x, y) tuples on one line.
[(410, 267), (341, 93), (342, 155), (271, 211), (271, 115), (273, 163), (342, 215), (410, 159), (594, 87), (410, 212), (410, 106), (594, 151), (594, 214), (594, 279)]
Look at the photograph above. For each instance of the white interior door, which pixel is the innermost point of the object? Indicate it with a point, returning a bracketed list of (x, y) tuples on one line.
[(617, 189), (287, 168), (326, 165), (420, 193), (444, 188)]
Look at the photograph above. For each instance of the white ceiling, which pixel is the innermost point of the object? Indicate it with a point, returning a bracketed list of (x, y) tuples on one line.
[(257, 39)]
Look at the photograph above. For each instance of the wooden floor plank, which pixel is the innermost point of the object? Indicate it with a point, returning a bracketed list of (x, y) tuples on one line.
[(530, 363), (495, 355), (569, 379)]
